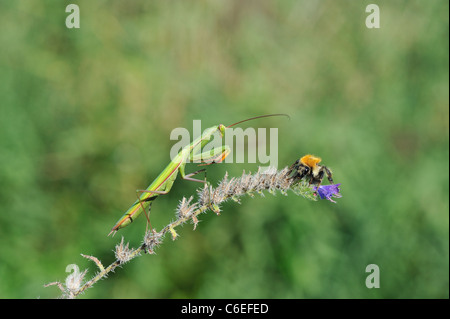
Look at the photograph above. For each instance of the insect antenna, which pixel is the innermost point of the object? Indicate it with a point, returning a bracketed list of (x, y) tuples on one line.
[(258, 117)]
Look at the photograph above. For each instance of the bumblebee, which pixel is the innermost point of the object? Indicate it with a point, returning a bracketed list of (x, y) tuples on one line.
[(308, 167)]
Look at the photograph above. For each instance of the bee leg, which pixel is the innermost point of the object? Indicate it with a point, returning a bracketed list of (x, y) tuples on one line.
[(293, 168), (317, 180), (329, 174)]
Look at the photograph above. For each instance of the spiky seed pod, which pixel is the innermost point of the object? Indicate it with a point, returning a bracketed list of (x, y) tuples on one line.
[(152, 239), (123, 253)]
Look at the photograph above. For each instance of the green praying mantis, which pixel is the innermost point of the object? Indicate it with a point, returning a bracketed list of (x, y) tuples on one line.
[(163, 183)]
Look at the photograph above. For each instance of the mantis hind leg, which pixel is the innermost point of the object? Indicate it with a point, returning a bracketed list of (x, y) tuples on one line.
[(148, 199), (188, 176)]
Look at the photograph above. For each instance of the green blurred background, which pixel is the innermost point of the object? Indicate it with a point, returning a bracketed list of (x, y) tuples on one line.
[(86, 114)]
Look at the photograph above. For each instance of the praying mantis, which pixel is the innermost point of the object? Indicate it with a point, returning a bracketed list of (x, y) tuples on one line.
[(163, 183)]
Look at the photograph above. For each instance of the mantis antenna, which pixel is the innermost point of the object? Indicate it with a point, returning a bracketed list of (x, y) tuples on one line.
[(257, 117)]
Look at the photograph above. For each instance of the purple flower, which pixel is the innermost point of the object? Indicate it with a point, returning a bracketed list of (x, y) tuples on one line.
[(328, 191)]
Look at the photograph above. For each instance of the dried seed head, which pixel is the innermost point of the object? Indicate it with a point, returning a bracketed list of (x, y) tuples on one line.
[(75, 280), (185, 209), (123, 253), (204, 196), (95, 260), (152, 239), (218, 196)]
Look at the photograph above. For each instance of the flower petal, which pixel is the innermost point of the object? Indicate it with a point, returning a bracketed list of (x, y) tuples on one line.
[(328, 191)]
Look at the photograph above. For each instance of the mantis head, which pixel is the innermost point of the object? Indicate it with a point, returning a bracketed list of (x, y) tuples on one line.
[(221, 128)]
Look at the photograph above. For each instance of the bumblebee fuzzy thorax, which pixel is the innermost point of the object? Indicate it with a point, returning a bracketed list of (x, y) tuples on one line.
[(310, 160)]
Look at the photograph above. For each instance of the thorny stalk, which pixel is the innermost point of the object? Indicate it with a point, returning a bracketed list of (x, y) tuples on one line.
[(209, 198)]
